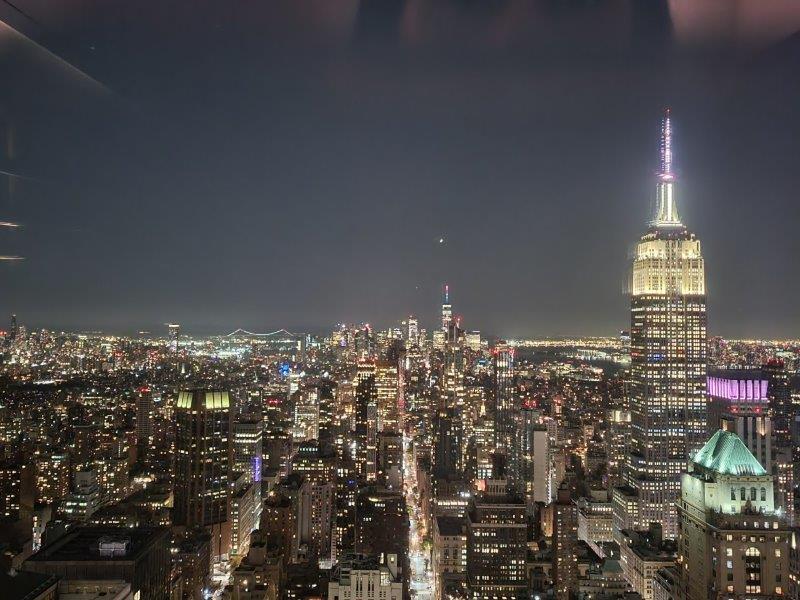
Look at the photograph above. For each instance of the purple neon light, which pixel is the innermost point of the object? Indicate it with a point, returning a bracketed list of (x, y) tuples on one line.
[(752, 390)]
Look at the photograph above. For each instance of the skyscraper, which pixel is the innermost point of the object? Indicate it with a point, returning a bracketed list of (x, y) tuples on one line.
[(782, 412), (144, 417), (387, 385), (531, 468), (248, 441), (448, 458), (503, 362), (668, 353), (366, 430), (174, 336), (447, 310), (412, 334), (317, 495), (496, 549), (565, 542), (203, 464)]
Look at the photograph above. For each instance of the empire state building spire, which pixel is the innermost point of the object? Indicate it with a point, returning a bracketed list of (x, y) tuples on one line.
[(667, 211)]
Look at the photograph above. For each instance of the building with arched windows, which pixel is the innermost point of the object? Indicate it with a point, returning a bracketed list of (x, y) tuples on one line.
[(732, 542)]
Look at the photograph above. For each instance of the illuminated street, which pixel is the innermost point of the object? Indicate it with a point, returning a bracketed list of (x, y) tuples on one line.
[(421, 576)]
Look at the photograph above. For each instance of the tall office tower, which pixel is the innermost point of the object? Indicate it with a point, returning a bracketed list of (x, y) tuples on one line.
[(279, 520), (390, 460), (248, 447), (565, 542), (412, 331), (203, 464), (144, 417), (343, 535), (14, 327), (531, 459), (448, 458), (174, 336), (616, 443), (732, 542), (544, 479), (387, 383), (305, 424), (51, 475), (668, 354), (504, 410), (245, 512), (366, 431), (783, 412), (447, 310), (496, 548), (382, 526), (317, 495), (327, 423), (484, 445), (10, 488)]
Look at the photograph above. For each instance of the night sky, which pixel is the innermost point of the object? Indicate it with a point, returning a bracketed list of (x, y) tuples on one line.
[(294, 163)]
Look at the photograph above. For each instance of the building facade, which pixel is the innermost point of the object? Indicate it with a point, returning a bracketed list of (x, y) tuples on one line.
[(668, 354), (732, 542), (203, 465), (496, 548)]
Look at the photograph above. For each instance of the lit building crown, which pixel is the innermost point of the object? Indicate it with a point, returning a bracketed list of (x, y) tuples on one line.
[(727, 454), (667, 211)]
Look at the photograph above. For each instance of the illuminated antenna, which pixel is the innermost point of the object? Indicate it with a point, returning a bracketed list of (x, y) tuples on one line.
[(666, 145), (446, 294), (667, 213)]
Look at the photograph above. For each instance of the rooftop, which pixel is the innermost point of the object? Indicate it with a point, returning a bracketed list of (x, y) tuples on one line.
[(199, 399), (725, 453), (450, 526), (99, 544), (22, 585)]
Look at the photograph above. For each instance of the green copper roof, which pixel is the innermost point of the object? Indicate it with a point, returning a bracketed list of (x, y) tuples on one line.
[(726, 453)]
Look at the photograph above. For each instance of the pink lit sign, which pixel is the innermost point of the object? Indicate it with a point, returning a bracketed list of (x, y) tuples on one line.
[(752, 390)]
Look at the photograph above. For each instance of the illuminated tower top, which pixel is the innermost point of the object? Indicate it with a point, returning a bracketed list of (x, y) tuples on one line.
[(667, 210)]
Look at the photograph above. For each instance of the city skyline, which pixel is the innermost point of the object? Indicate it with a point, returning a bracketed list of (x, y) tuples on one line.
[(399, 300), (665, 217)]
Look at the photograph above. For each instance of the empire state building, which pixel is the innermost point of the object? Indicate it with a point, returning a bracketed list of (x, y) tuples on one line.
[(668, 357)]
